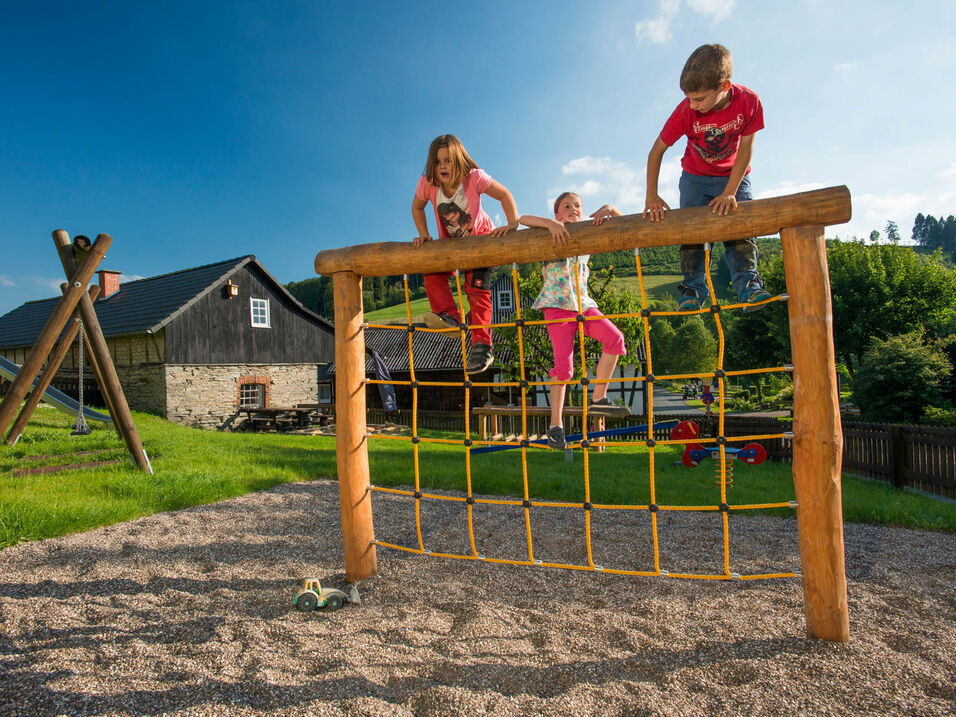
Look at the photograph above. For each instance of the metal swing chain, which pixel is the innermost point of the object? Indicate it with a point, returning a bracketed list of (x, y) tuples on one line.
[(80, 427)]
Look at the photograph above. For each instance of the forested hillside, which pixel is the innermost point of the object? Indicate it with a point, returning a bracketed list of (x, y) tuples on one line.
[(379, 292)]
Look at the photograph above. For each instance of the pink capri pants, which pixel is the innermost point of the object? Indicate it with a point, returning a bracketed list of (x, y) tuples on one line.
[(562, 338)]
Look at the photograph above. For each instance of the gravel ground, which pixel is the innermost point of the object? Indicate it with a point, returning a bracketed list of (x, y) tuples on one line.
[(190, 613)]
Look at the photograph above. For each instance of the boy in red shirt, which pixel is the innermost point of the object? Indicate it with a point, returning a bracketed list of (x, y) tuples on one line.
[(719, 120)]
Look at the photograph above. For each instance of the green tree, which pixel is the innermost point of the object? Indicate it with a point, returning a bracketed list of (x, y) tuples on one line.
[(899, 377), (759, 338), (883, 290), (661, 334), (892, 232), (693, 349)]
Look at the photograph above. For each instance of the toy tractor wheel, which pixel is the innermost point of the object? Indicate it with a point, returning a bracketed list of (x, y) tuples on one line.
[(334, 602), (306, 602)]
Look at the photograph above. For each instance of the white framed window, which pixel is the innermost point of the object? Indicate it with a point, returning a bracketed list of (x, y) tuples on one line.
[(259, 309), (252, 395), (504, 300), (325, 393)]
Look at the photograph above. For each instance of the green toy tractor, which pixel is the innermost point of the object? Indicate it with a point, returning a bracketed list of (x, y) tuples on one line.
[(313, 596)]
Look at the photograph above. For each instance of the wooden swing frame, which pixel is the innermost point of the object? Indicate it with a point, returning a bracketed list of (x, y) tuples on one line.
[(75, 303)]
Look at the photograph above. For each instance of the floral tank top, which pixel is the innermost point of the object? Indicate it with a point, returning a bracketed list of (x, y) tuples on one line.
[(559, 290)]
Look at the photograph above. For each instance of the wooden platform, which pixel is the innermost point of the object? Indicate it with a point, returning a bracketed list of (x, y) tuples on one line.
[(485, 413)]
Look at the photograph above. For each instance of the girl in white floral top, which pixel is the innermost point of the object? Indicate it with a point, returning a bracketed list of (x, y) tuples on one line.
[(559, 302)]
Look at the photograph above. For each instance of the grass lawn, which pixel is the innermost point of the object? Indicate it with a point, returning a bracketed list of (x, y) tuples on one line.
[(656, 286), (193, 467), (418, 306)]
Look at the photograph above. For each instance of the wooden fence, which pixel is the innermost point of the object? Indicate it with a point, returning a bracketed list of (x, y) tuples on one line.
[(919, 457)]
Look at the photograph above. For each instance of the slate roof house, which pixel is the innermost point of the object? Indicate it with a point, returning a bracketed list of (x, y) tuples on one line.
[(194, 346)]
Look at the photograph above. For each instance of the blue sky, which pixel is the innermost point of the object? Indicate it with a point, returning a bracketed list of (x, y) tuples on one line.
[(196, 132)]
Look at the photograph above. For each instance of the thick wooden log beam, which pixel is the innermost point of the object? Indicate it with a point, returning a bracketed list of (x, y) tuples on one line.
[(106, 371), (51, 330), (46, 376), (818, 435), (761, 217), (355, 497)]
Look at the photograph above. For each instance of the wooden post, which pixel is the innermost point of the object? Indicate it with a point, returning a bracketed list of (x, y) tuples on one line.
[(105, 369), (818, 437), (896, 456), (51, 330), (355, 497), (59, 353)]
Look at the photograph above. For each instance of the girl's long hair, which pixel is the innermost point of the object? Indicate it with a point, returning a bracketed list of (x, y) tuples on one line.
[(460, 161)]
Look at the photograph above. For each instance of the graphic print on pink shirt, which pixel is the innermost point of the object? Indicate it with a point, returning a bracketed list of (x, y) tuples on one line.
[(457, 221)]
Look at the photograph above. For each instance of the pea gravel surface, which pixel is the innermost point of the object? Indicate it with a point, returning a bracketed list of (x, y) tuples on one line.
[(190, 613)]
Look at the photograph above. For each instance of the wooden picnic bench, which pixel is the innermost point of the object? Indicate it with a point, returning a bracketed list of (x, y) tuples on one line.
[(490, 414), (302, 415)]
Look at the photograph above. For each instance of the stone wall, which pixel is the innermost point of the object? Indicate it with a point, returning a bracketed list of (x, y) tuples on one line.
[(207, 396), (144, 387)]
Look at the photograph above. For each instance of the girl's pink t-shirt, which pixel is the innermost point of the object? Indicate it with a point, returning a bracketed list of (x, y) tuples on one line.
[(476, 182)]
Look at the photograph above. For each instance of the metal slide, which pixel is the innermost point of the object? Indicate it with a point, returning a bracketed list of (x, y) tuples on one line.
[(55, 398)]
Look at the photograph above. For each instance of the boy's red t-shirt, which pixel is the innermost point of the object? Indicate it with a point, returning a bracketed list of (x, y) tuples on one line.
[(714, 137)]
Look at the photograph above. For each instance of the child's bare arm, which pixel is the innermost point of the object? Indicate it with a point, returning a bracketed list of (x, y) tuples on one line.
[(654, 206), (727, 201), (498, 191), (421, 224), (605, 213), (559, 232)]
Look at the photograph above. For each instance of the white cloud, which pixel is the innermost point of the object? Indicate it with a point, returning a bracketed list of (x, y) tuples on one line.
[(47, 283), (130, 277), (789, 187), (950, 171), (717, 10), (658, 30), (605, 180), (6, 281), (846, 68)]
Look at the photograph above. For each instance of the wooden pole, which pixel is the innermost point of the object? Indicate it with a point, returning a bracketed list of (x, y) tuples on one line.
[(51, 330), (111, 383), (59, 353), (355, 496), (818, 436), (697, 225)]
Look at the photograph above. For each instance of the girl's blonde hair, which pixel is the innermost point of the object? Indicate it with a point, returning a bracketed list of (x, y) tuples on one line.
[(460, 161)]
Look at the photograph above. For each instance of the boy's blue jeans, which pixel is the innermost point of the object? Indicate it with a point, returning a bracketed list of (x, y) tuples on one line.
[(741, 255)]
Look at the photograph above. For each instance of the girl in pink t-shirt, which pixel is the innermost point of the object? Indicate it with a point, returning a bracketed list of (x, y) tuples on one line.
[(559, 301), (453, 183)]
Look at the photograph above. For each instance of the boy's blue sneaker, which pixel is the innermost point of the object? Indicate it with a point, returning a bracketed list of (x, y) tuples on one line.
[(690, 303), (754, 296)]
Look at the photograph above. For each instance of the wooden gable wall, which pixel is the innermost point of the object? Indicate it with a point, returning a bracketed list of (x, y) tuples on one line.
[(218, 330)]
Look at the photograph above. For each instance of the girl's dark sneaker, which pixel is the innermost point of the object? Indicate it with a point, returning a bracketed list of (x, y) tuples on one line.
[(480, 358), (556, 438)]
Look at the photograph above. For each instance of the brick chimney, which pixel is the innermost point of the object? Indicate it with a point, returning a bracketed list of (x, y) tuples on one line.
[(109, 282)]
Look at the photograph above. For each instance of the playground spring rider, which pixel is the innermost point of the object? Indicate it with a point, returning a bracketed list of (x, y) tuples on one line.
[(753, 453)]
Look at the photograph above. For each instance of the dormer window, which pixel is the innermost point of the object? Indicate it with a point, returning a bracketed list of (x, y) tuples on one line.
[(504, 300), (259, 309)]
